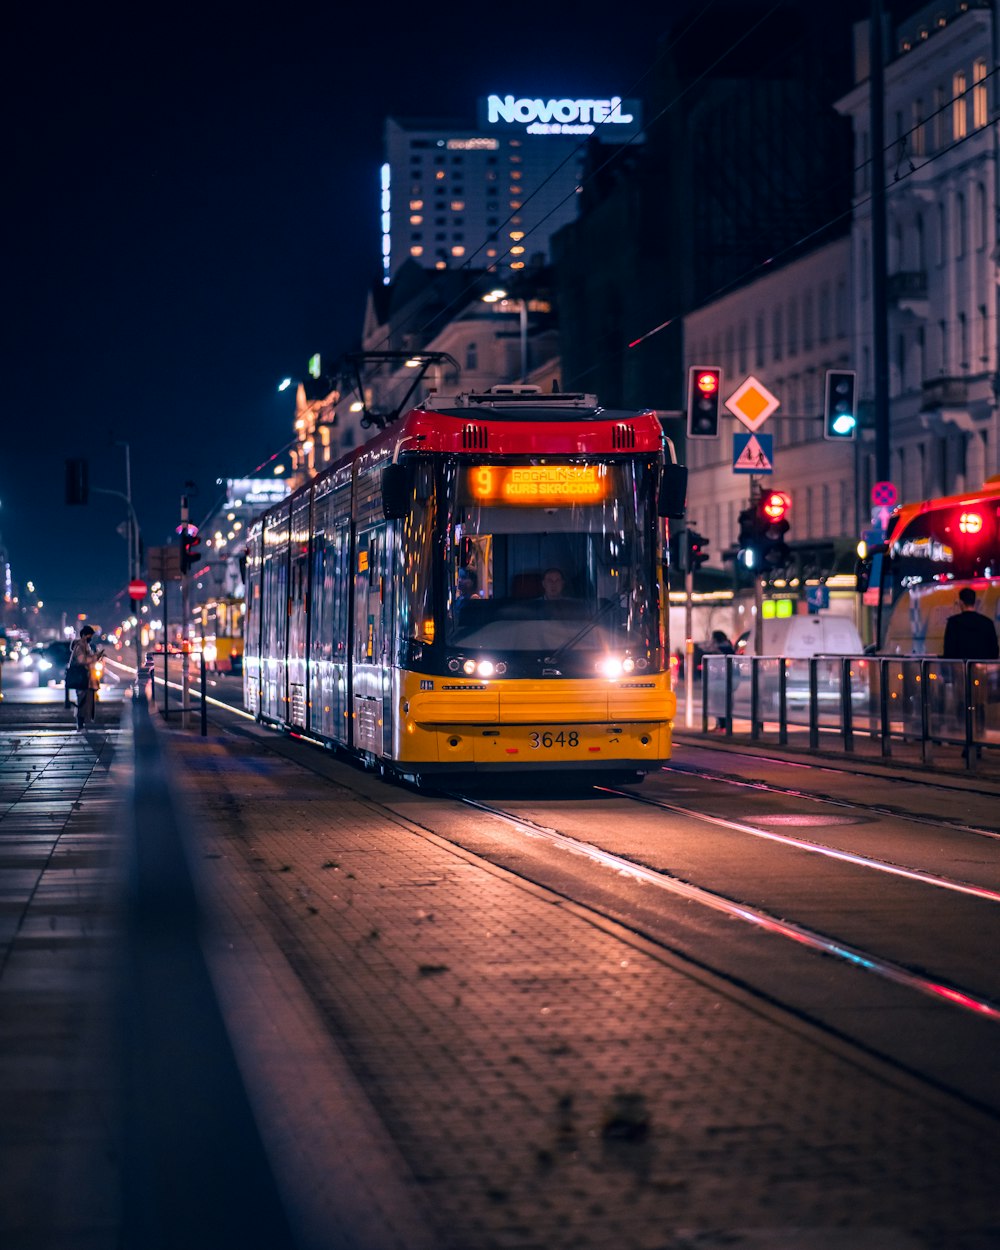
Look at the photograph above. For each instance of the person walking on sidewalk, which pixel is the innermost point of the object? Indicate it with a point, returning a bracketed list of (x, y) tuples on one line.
[(971, 635), (720, 645), (84, 653)]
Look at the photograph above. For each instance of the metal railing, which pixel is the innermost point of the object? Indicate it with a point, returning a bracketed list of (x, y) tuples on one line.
[(863, 701), (146, 675)]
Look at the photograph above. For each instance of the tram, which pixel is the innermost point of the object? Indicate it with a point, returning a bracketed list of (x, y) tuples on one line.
[(934, 548), (217, 631), (399, 605)]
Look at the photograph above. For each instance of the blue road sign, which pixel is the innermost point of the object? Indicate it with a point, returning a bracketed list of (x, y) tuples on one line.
[(753, 453)]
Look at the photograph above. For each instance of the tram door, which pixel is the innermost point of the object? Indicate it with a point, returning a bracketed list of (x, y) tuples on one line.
[(371, 640), (298, 615)]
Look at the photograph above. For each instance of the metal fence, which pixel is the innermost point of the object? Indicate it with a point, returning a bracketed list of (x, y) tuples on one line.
[(878, 700)]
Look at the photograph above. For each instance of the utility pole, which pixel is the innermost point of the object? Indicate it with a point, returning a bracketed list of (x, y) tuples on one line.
[(134, 557), (185, 626), (880, 322)]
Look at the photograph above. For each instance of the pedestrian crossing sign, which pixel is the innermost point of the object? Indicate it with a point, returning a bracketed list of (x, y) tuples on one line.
[(753, 453)]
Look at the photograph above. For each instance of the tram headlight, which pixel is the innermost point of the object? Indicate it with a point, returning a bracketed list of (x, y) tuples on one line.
[(612, 666), (469, 667), (485, 668)]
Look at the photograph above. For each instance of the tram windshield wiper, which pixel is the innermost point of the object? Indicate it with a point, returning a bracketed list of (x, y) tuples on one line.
[(616, 602)]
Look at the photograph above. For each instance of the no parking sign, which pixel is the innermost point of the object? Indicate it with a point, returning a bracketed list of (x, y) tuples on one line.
[(884, 495)]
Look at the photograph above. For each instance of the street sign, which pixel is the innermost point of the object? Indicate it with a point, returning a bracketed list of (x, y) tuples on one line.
[(753, 453), (137, 589), (164, 563), (818, 598), (753, 403), (881, 517), (884, 495)]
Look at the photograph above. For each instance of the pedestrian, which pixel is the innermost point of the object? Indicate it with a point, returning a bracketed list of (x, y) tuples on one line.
[(970, 635), (84, 654), (720, 645)]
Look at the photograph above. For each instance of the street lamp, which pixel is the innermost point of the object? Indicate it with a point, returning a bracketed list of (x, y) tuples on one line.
[(500, 296)]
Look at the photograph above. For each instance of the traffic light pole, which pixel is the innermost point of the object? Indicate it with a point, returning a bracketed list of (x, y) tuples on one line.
[(688, 647), (758, 582)]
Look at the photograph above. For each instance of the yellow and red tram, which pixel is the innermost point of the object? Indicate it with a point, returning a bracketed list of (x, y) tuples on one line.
[(217, 631), (399, 605)]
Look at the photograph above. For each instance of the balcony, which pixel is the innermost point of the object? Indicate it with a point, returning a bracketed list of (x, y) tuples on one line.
[(944, 393)]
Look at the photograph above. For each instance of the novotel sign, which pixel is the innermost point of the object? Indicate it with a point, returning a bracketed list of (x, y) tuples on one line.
[(537, 116)]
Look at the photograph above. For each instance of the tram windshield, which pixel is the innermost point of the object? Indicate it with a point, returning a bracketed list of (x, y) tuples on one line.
[(553, 564)]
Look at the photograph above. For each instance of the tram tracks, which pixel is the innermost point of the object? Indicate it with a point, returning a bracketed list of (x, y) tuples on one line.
[(739, 910), (899, 813), (761, 917)]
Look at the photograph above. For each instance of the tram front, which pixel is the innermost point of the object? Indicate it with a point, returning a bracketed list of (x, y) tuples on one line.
[(536, 608)]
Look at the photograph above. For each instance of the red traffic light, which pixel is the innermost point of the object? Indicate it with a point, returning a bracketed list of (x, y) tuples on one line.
[(707, 382), (775, 505)]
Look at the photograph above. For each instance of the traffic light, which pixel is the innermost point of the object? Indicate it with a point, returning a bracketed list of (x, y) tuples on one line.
[(697, 550), (772, 514), (704, 395), (840, 412), (190, 542), (678, 550), (77, 488), (750, 540)]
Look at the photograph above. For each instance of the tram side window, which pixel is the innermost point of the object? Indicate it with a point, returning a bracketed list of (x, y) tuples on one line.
[(416, 601)]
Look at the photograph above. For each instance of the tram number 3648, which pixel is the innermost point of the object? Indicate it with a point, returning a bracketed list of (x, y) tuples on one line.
[(564, 738)]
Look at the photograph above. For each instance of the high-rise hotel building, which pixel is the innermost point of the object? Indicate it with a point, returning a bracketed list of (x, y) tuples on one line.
[(494, 193)]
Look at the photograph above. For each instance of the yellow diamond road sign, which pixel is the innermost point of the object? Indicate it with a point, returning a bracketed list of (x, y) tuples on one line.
[(753, 403)]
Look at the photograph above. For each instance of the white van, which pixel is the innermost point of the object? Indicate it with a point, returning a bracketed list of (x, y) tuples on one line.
[(799, 637)]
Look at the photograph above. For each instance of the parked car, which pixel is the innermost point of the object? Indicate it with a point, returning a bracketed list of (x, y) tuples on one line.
[(47, 661)]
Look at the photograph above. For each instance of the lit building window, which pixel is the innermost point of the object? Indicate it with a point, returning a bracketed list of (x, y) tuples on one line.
[(416, 205), (441, 264), (457, 206), (959, 113), (980, 114), (439, 174), (491, 251), (416, 219), (417, 250), (517, 264), (458, 250), (515, 174), (517, 235), (917, 141), (517, 250)]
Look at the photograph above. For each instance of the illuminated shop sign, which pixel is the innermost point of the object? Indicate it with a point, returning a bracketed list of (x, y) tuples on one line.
[(559, 117), (538, 485)]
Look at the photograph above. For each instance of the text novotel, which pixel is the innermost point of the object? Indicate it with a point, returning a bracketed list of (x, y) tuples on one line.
[(556, 116)]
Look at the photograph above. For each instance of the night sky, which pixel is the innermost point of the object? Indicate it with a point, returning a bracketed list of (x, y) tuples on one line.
[(191, 210)]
